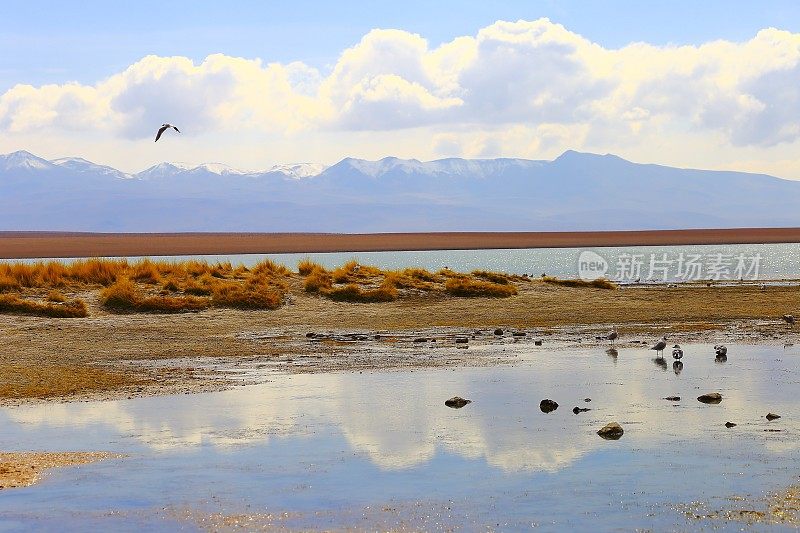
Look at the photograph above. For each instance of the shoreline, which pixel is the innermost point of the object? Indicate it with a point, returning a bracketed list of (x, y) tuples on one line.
[(32, 245)]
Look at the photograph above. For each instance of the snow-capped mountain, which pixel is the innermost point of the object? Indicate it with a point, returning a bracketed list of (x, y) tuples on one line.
[(576, 191)]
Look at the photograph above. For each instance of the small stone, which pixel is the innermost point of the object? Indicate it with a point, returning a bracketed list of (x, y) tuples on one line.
[(310, 335), (577, 410), (537, 342), (711, 397), (461, 340), (587, 400), (519, 334), (674, 398), (772, 416), (548, 406), (611, 431), (457, 402), (730, 425), (420, 339), (498, 332)]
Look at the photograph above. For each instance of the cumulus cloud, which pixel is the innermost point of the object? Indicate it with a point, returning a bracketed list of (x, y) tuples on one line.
[(533, 84)]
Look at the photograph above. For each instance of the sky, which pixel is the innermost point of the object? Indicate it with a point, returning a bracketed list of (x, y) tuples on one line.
[(251, 84)]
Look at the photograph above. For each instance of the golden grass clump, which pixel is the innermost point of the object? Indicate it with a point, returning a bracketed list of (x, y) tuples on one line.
[(351, 292), (464, 286), (56, 296), (11, 303), (8, 284), (599, 283), (246, 296), (271, 269), (352, 272), (306, 266), (101, 271), (494, 277), (146, 271), (317, 280), (171, 285), (413, 279), (202, 286), (125, 296)]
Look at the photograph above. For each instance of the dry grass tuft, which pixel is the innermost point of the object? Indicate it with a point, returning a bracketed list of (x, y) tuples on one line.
[(494, 277), (307, 266), (56, 296), (247, 296), (353, 293), (11, 303), (9, 284), (464, 286), (125, 296), (599, 283), (317, 280)]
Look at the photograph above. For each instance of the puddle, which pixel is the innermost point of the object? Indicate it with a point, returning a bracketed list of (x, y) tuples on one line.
[(380, 450)]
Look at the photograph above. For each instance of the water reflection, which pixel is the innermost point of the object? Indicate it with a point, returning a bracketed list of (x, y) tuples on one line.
[(398, 420)]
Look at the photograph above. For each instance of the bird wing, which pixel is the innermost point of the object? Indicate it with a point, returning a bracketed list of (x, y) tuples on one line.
[(176, 129), (160, 131)]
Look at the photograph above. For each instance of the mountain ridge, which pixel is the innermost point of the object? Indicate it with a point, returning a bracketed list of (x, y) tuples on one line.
[(574, 192)]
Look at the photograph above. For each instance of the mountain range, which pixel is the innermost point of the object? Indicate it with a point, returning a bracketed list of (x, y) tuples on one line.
[(576, 191)]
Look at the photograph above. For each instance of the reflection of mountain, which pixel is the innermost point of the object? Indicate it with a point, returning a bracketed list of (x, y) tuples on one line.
[(399, 421), (574, 192)]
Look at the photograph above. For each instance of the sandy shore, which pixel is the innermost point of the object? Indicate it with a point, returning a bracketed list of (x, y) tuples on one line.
[(22, 469), (109, 355), (19, 245)]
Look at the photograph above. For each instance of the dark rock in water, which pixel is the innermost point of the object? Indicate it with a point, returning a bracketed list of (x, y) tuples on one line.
[(421, 339), (548, 406), (772, 416), (587, 400), (457, 402), (730, 425), (673, 398), (611, 431), (711, 397), (498, 332), (537, 342), (461, 340), (519, 334), (577, 410)]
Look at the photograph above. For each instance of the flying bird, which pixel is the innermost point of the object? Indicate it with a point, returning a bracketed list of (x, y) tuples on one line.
[(163, 128), (659, 347)]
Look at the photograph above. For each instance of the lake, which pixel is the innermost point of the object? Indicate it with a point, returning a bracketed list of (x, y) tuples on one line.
[(625, 264), (380, 450)]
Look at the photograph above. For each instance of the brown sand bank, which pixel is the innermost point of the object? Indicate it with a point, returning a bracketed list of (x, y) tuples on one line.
[(18, 245), (22, 469)]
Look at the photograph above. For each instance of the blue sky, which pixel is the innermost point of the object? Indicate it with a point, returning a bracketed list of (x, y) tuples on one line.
[(699, 84)]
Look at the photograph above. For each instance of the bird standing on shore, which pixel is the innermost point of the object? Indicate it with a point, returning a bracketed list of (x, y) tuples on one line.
[(677, 352), (789, 319), (163, 128), (659, 347), (612, 336), (720, 350)]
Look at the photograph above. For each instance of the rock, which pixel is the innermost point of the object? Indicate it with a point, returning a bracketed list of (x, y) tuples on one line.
[(310, 335), (457, 402), (730, 425), (611, 431), (461, 340), (711, 397), (498, 332), (548, 406), (587, 400), (537, 342), (420, 339), (577, 410), (772, 416), (377, 337), (675, 398), (519, 334)]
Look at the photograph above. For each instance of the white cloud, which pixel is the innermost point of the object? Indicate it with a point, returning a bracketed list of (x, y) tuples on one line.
[(525, 88)]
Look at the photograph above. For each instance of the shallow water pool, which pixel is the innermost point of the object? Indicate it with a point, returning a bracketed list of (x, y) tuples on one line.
[(380, 450)]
